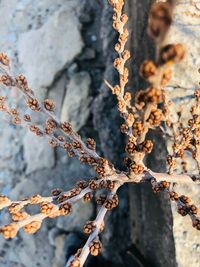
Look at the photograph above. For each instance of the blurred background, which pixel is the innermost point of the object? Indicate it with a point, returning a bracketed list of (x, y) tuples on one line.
[(65, 49)]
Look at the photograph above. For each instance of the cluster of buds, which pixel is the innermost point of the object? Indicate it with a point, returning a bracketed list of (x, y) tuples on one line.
[(160, 20), (4, 59), (95, 247)]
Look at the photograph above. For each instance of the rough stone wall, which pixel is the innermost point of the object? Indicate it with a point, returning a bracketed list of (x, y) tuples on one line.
[(65, 48)]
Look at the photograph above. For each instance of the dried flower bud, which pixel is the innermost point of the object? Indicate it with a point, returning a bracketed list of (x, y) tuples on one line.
[(172, 52), (155, 117), (89, 227), (160, 19), (112, 203), (124, 128), (88, 197), (66, 127), (93, 184), (49, 104), (193, 209), (126, 54), (95, 247), (19, 216), (9, 231), (15, 207), (16, 120), (91, 144), (65, 208), (82, 184), (182, 210), (53, 142), (148, 69), (173, 196), (138, 128), (75, 262), (56, 192), (147, 146), (167, 75), (21, 81), (101, 199), (186, 200), (6, 80), (196, 223), (4, 59), (111, 185), (32, 227), (63, 197), (103, 184), (36, 199), (136, 168), (27, 117), (4, 200), (33, 104), (47, 208)]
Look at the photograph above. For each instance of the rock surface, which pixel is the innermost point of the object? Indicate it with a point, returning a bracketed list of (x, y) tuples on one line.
[(41, 68), (76, 102), (37, 153)]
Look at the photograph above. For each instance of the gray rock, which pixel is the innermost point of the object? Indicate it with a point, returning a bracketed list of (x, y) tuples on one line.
[(76, 103), (186, 31), (63, 247), (51, 48), (37, 153), (82, 212)]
